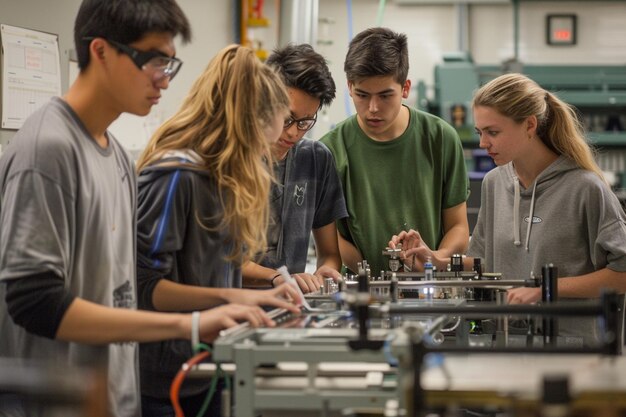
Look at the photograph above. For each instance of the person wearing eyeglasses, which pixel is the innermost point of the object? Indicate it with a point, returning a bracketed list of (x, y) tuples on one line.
[(306, 195), (154, 62), (68, 207), (400, 168)]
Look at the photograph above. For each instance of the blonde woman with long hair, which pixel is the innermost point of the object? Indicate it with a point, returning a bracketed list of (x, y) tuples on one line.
[(203, 209), (545, 202)]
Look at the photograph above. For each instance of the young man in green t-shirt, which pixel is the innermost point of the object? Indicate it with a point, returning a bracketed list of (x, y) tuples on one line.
[(400, 168)]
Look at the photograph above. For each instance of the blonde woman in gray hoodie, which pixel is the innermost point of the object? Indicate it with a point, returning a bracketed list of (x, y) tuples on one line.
[(547, 201)]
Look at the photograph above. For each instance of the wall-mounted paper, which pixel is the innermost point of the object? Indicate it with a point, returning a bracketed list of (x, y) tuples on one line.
[(31, 72)]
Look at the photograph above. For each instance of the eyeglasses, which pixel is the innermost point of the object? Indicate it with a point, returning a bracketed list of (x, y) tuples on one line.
[(153, 62), (304, 124)]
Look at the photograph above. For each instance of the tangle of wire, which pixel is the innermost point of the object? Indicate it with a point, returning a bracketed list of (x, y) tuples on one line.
[(203, 352)]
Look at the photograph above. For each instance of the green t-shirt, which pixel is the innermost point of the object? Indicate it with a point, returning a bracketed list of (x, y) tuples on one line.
[(399, 184)]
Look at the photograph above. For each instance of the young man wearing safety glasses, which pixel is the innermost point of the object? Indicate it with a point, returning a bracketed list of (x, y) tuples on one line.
[(307, 195), (67, 218)]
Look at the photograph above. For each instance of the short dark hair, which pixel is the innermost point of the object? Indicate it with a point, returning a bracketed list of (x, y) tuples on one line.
[(303, 68), (377, 52), (126, 21)]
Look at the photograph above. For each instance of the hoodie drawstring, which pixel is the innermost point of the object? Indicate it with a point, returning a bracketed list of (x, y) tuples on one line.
[(516, 236), (531, 214)]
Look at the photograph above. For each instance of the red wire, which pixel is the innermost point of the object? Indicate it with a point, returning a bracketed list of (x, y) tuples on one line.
[(180, 377)]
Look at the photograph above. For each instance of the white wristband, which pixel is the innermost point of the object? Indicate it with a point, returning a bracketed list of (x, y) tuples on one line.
[(195, 330)]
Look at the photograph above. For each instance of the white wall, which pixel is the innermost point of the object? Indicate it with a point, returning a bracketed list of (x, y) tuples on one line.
[(45, 16), (212, 26), (212, 29), (432, 30), (423, 25), (601, 33)]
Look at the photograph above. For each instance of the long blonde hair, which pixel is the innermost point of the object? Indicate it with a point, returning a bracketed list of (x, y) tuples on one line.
[(222, 119), (558, 126)]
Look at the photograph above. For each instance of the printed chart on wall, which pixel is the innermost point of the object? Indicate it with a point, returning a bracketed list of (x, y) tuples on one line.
[(30, 72)]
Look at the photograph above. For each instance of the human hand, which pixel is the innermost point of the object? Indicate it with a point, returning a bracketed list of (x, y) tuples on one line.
[(325, 271), (283, 296), (229, 315), (414, 251), (408, 239), (523, 295), (308, 282)]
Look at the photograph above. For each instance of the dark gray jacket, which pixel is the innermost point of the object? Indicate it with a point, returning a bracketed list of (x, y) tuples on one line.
[(310, 197), (173, 245)]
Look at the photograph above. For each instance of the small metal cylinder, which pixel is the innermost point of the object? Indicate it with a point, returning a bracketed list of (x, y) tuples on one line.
[(478, 268), (341, 284), (364, 285), (456, 264), (328, 285), (502, 324), (549, 287), (394, 288), (549, 294)]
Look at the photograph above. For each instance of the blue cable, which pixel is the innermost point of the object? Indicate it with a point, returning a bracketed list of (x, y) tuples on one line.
[(349, 6), (346, 96)]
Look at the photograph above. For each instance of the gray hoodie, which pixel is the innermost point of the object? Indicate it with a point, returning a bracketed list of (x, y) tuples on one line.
[(577, 225)]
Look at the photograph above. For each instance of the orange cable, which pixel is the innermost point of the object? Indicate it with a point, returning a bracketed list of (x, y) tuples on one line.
[(177, 382)]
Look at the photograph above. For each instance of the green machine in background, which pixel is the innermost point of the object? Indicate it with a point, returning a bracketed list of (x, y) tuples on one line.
[(597, 91), (455, 82)]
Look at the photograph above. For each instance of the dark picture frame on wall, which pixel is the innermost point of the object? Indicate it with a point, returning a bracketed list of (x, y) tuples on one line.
[(561, 29)]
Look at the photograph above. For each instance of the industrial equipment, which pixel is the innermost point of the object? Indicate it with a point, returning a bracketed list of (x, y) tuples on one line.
[(597, 91), (361, 351)]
